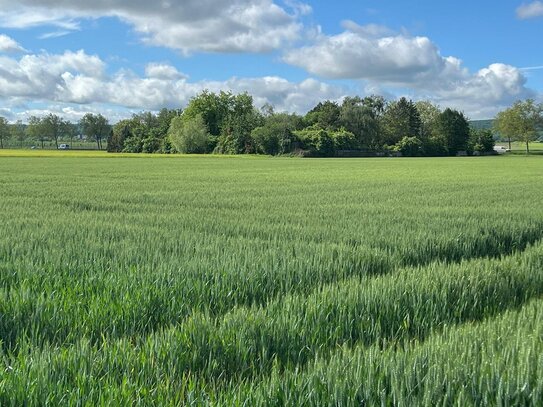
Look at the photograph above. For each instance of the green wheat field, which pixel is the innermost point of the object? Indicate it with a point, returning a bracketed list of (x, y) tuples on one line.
[(249, 281)]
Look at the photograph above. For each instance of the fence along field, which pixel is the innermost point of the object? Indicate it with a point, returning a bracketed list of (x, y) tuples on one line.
[(226, 281)]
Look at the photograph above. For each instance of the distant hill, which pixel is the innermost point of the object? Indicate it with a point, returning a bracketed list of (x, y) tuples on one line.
[(482, 124)]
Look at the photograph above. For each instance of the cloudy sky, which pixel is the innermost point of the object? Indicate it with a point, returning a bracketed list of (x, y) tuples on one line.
[(123, 56)]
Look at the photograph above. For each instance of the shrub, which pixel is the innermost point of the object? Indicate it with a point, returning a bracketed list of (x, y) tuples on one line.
[(344, 140), (481, 141), (317, 140), (409, 147), (189, 136)]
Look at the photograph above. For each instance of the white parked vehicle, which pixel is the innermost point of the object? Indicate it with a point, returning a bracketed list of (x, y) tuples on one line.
[(501, 149), (64, 147)]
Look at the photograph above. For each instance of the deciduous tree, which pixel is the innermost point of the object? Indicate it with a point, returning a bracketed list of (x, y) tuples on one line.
[(241, 119), (326, 115), (18, 132), (189, 135), (5, 134), (401, 119), (34, 130), (95, 127), (520, 122), (360, 118), (276, 134), (429, 114), (53, 127)]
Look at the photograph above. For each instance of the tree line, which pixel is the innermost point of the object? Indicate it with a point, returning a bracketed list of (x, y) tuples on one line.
[(53, 128), (227, 123)]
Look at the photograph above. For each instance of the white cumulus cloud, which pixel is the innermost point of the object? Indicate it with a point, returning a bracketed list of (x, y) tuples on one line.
[(530, 10), (78, 82), (163, 71), (381, 58), (8, 44), (484, 93), (43, 75), (188, 25), (363, 52)]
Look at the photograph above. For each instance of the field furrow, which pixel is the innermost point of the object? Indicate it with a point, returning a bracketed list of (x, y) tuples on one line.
[(250, 343), (495, 362)]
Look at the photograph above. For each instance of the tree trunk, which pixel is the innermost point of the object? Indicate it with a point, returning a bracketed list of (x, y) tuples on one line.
[(527, 147), (56, 142), (509, 143), (1, 143), (42, 144)]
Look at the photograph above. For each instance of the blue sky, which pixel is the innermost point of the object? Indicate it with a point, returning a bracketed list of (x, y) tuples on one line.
[(123, 56)]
